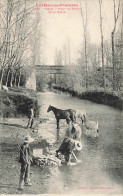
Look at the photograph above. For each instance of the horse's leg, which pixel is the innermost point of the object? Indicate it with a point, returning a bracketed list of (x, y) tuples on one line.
[(68, 120), (97, 133), (73, 118), (82, 121), (57, 123)]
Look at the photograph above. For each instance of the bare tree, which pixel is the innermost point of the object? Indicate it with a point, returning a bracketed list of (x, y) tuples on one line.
[(116, 16), (64, 52), (122, 50), (84, 21), (102, 44), (58, 58), (69, 51), (6, 18), (107, 54), (17, 28), (35, 43)]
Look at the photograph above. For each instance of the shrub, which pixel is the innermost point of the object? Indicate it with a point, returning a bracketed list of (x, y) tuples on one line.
[(17, 103)]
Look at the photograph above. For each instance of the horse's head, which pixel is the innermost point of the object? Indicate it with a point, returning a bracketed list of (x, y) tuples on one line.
[(49, 108)]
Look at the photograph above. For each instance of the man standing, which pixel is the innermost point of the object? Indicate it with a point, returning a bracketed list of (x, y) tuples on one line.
[(25, 160), (67, 147), (31, 117)]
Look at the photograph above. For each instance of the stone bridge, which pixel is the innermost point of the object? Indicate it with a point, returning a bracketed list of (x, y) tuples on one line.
[(54, 69), (52, 73)]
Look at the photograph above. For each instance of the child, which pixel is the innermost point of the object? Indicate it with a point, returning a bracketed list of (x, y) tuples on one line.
[(67, 147), (25, 160)]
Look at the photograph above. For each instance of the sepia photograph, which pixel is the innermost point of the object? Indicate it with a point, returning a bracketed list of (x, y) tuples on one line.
[(61, 97)]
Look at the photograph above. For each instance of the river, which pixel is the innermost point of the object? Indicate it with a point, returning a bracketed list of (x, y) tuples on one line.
[(101, 169)]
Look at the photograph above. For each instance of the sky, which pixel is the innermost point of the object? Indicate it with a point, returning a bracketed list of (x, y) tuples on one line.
[(60, 27)]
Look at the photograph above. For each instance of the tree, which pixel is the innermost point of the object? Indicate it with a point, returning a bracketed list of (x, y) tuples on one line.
[(18, 25), (58, 58), (116, 16), (84, 21), (66, 52), (102, 44)]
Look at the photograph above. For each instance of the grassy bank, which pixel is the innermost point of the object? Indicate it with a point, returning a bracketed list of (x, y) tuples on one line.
[(17, 101), (110, 98)]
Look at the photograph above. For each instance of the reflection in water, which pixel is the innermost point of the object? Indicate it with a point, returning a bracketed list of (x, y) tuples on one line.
[(57, 134), (63, 132), (56, 184)]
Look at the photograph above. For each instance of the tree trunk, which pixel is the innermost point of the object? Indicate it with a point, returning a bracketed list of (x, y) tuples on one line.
[(19, 78), (103, 67), (84, 21), (102, 46), (1, 80), (86, 64), (7, 76), (113, 61), (15, 79), (11, 85)]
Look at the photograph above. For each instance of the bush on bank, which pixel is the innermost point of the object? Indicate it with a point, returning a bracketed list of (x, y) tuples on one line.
[(17, 102), (108, 98)]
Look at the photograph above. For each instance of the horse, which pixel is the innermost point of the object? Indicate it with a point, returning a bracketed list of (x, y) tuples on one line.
[(81, 114), (68, 114)]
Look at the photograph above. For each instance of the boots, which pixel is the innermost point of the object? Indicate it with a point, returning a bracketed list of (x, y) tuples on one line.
[(28, 184)]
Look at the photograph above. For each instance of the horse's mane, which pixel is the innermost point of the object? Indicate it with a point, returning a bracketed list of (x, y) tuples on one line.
[(53, 107)]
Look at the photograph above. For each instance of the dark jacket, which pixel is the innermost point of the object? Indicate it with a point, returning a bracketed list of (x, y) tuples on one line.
[(67, 146), (25, 154)]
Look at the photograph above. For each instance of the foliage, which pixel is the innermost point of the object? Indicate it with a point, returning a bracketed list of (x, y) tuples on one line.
[(15, 103), (111, 98), (42, 79)]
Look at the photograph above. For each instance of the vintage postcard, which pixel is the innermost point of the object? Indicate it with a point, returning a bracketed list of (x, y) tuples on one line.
[(61, 97)]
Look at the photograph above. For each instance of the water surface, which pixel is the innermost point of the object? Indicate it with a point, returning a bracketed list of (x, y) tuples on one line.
[(101, 168)]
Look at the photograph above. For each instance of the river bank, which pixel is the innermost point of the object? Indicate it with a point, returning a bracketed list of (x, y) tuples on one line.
[(17, 101), (114, 99)]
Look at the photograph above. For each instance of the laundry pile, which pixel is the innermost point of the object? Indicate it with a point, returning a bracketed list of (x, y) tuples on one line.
[(39, 159)]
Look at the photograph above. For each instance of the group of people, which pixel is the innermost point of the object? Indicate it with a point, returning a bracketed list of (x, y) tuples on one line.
[(66, 149)]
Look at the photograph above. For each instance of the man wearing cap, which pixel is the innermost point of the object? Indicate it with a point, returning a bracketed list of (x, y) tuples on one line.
[(67, 147), (25, 160)]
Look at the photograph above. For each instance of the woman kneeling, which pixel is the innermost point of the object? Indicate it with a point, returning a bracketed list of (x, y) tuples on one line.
[(66, 149)]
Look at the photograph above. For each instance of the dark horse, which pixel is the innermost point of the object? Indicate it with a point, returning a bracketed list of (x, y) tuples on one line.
[(68, 114)]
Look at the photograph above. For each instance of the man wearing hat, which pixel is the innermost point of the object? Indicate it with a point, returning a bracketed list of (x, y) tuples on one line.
[(67, 147), (25, 160)]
